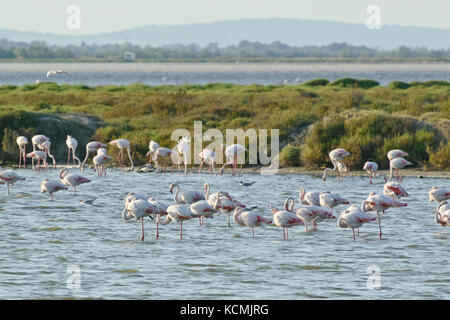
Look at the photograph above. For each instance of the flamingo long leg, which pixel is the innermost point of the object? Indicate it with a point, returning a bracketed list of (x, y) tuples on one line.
[(379, 223), (353, 229), (181, 229), (142, 228)]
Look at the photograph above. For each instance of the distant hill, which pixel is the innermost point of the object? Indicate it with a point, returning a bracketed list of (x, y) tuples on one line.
[(294, 32)]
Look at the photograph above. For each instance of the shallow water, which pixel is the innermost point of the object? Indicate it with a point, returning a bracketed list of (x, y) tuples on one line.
[(43, 240), (94, 74)]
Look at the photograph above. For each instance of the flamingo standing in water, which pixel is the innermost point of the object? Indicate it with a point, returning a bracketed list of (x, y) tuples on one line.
[(22, 142), (331, 200), (185, 196), (123, 144), (371, 168), (285, 218), (208, 156), (313, 214), (91, 147), (397, 153), (380, 203), (398, 164), (139, 208), (45, 146), (443, 214), (353, 217), (52, 187), (162, 210), (37, 140), (437, 194), (184, 150), (394, 190), (72, 180), (249, 219), (72, 144), (40, 156), (336, 156), (162, 154), (99, 163), (226, 203), (203, 209), (152, 147), (9, 177), (309, 198), (178, 213), (231, 153)]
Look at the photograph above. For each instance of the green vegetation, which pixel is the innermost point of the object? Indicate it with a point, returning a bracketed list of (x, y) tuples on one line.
[(367, 119)]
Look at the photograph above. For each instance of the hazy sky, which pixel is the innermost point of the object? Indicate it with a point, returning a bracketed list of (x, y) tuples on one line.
[(112, 15)]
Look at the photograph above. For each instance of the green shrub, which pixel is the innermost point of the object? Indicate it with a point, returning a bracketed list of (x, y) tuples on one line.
[(316, 82), (440, 159), (399, 85), (290, 156)]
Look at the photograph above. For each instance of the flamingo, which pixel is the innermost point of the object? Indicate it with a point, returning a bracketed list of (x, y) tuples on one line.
[(152, 147), (203, 209), (52, 186), (231, 153), (45, 146), (436, 194), (99, 163), (178, 213), (394, 189), (123, 144), (50, 72), (398, 164), (443, 213), (91, 147), (311, 213), (185, 196), (285, 218), (40, 156), (309, 198), (331, 200), (371, 168), (208, 156), (353, 217), (162, 154), (184, 149), (37, 140), (139, 208), (249, 219), (226, 202), (9, 177), (162, 210), (397, 153), (72, 144), (22, 142), (380, 203), (72, 180), (336, 156)]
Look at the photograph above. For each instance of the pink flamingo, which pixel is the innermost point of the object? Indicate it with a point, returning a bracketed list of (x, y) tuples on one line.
[(51, 187), (231, 153), (152, 147), (226, 204), (397, 153), (139, 208), (45, 146), (203, 209), (436, 194), (331, 200), (123, 144), (249, 218), (184, 150), (394, 189), (72, 180), (311, 213), (443, 213), (99, 163), (22, 142), (208, 156), (40, 156), (371, 168), (91, 147), (162, 154), (285, 218), (9, 177), (336, 156), (72, 144), (185, 196), (162, 210), (309, 198), (380, 203), (398, 164), (36, 140), (178, 213), (353, 217)]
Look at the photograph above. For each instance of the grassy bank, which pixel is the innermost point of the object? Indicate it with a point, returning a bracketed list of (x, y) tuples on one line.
[(313, 117)]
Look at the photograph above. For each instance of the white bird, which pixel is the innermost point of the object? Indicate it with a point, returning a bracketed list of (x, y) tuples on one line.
[(311, 213), (51, 72), (231, 153), (123, 144), (353, 217), (398, 164), (437, 194), (336, 155), (152, 147), (185, 196), (91, 147), (371, 168), (22, 142), (35, 141), (9, 177), (72, 180), (309, 198), (208, 156), (285, 219), (250, 219), (203, 209), (139, 208), (184, 151), (331, 200), (178, 213), (394, 190), (443, 213), (51, 186), (72, 144), (99, 163), (397, 153), (162, 154), (45, 146), (40, 156)]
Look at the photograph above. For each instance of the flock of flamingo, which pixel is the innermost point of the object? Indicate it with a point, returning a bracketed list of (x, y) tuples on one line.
[(314, 207)]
